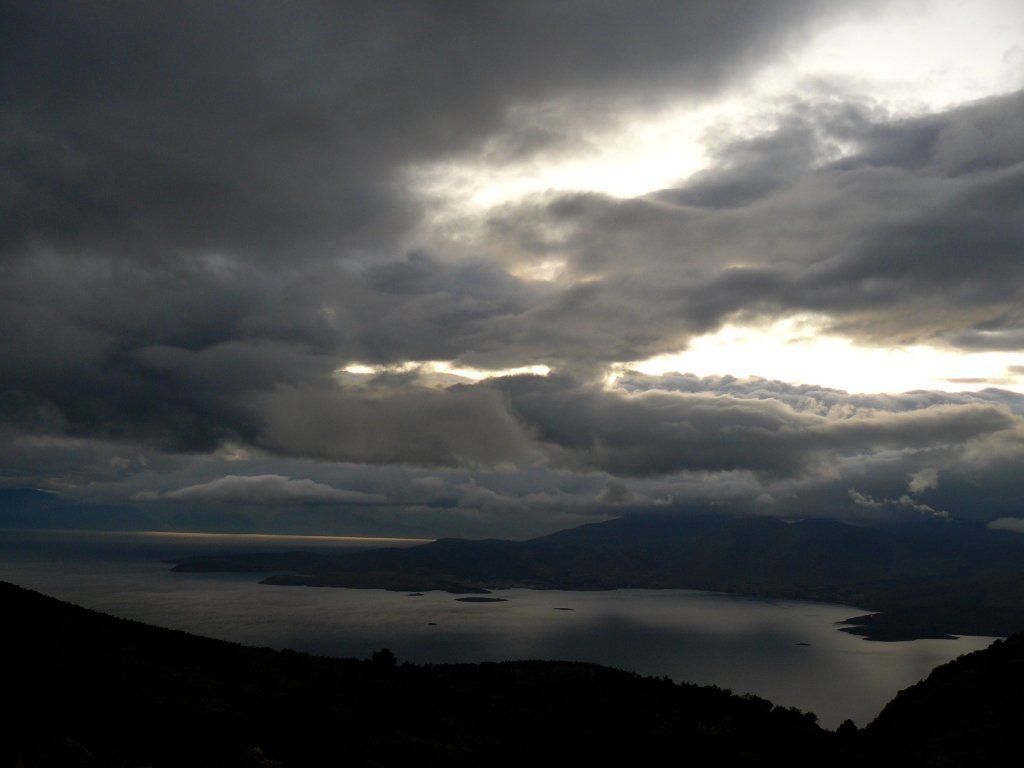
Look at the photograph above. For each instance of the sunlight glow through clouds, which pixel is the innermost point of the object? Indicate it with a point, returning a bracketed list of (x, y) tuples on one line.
[(434, 372), (926, 55), (792, 351), (913, 57)]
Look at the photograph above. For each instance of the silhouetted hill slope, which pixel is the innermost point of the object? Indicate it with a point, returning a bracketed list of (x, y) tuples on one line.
[(91, 690), (928, 579), (969, 712)]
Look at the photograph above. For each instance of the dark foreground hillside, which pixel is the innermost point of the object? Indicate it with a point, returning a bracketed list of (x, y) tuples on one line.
[(86, 689), (967, 712), (91, 690)]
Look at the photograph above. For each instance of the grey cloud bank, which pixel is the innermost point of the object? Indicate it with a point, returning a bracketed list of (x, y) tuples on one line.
[(208, 213), (914, 237)]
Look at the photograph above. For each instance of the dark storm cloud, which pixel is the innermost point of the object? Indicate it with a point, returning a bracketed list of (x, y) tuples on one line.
[(989, 336), (207, 213), (750, 169), (462, 426), (202, 202), (914, 236), (677, 443), (973, 479), (62, 463), (662, 433), (577, 424), (280, 128), (750, 446), (172, 356)]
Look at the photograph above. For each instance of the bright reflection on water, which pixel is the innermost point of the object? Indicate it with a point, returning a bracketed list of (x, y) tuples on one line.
[(789, 652)]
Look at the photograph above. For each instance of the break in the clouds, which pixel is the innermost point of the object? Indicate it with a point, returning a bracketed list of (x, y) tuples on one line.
[(307, 254)]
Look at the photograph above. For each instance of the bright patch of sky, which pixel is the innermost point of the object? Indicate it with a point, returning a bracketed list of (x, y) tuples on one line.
[(907, 57), (433, 372), (793, 350)]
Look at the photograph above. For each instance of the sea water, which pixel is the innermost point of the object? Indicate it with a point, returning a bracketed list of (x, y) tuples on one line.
[(790, 652)]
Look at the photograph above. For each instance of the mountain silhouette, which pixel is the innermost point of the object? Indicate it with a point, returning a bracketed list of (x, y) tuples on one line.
[(929, 579)]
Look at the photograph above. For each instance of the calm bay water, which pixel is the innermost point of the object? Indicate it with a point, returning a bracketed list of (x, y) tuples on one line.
[(787, 651)]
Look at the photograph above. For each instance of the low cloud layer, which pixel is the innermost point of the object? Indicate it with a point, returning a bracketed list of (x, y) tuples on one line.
[(1012, 524), (266, 489), (521, 451)]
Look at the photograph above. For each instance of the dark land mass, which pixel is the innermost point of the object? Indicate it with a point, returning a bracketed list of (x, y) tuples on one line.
[(929, 579), (90, 690), (967, 712), (94, 691)]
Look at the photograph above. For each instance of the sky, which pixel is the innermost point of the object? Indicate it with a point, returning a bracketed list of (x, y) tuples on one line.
[(496, 269)]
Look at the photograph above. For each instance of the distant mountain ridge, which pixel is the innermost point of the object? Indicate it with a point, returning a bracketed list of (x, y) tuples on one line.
[(929, 579)]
